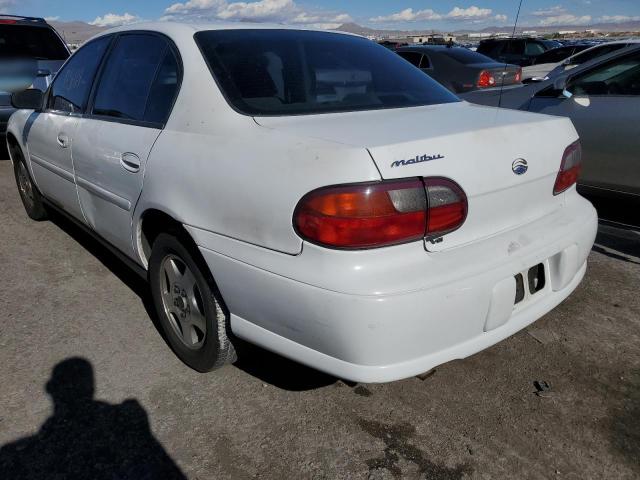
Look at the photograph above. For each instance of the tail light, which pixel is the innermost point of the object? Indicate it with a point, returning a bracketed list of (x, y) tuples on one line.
[(569, 168), (486, 79), (518, 77), (374, 215)]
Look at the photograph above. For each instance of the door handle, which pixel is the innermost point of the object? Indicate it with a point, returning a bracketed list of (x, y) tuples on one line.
[(63, 140), (130, 162)]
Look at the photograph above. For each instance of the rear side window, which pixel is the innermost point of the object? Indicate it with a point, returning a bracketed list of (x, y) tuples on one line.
[(292, 72), (71, 87), (139, 81), (26, 41), (491, 49)]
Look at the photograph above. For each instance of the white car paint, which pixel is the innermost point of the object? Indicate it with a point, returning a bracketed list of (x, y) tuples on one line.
[(377, 315)]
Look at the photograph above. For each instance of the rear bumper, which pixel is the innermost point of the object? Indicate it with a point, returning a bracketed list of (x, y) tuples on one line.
[(391, 314)]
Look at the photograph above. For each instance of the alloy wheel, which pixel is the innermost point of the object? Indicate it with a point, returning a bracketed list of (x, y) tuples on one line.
[(182, 302)]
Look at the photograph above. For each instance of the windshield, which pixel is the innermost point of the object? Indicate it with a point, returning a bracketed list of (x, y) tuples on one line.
[(291, 72), (596, 52), (26, 41)]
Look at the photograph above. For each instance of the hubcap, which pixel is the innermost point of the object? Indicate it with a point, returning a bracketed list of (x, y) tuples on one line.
[(24, 185), (182, 302)]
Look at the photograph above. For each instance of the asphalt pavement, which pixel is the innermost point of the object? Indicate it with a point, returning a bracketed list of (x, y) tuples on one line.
[(90, 389)]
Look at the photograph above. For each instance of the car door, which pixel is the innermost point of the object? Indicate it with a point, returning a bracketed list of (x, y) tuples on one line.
[(133, 96), (604, 109), (52, 131)]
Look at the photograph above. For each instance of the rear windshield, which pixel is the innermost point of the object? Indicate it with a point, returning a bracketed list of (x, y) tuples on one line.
[(466, 57), (291, 72), (26, 41)]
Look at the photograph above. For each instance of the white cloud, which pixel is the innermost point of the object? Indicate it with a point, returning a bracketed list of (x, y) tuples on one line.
[(52, 19), (550, 12), (472, 13), (409, 15), (565, 19), (5, 5), (280, 11), (618, 19), (114, 20), (193, 6)]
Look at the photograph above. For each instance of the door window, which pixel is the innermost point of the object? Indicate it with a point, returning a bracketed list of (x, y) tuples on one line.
[(533, 49), (71, 87), (514, 47), (619, 77), (139, 81), (425, 62), (413, 58)]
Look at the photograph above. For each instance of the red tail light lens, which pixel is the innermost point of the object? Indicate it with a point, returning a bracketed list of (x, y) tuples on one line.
[(380, 214), (518, 76), (569, 168), (486, 79)]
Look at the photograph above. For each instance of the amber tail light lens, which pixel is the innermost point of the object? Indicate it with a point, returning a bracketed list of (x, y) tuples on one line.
[(380, 214)]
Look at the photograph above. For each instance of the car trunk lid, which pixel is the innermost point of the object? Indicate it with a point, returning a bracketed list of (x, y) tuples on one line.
[(479, 148)]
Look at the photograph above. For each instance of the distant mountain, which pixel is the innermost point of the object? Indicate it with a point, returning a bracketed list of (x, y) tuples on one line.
[(76, 32), (367, 32), (604, 27)]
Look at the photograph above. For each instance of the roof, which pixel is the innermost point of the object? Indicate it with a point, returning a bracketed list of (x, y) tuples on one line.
[(171, 28)]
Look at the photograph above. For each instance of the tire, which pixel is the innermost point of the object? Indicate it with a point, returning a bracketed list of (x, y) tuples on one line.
[(32, 200), (189, 306)]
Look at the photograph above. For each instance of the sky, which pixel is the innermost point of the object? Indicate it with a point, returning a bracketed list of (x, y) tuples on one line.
[(387, 14)]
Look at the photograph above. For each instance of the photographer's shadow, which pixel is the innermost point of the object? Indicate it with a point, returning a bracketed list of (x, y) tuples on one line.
[(87, 438)]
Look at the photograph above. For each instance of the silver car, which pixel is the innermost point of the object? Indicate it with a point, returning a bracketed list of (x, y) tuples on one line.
[(602, 98)]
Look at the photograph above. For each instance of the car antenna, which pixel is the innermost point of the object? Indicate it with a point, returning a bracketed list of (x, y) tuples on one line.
[(515, 26)]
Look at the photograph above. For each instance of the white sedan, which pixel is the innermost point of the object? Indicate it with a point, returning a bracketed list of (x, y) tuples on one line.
[(309, 192)]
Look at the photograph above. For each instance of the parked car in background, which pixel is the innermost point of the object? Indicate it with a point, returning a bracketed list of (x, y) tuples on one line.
[(602, 98), (310, 192), (518, 51), (35, 44), (459, 69), (590, 54), (392, 45), (549, 60)]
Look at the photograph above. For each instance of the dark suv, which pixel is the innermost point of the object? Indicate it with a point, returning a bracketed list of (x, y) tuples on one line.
[(34, 42), (518, 51)]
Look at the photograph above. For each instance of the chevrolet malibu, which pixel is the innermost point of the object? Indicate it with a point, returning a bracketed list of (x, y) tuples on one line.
[(309, 192)]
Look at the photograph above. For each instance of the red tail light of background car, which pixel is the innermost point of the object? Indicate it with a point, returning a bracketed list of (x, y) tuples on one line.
[(486, 79), (569, 168), (373, 215), (518, 77)]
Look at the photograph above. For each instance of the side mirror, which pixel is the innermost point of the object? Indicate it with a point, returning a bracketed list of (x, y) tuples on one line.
[(560, 85), (31, 99)]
